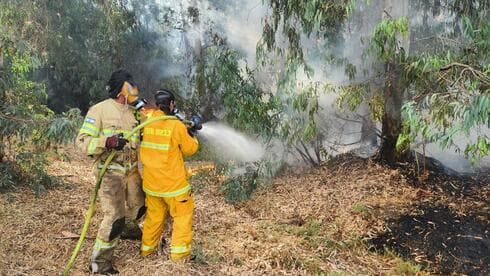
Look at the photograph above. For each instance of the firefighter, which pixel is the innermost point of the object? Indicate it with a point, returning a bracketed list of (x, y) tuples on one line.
[(164, 145), (121, 195)]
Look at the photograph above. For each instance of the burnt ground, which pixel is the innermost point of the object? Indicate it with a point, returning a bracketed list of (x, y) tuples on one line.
[(434, 176), (449, 229), (352, 216), (436, 236)]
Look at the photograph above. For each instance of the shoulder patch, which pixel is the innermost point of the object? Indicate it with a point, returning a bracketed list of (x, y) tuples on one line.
[(90, 120)]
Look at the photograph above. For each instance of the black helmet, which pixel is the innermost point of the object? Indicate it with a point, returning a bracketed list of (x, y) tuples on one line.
[(116, 82), (163, 98)]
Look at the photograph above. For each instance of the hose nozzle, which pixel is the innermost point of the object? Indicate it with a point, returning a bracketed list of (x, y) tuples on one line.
[(195, 124)]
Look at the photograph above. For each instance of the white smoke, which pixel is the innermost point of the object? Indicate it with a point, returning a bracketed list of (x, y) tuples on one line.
[(240, 23)]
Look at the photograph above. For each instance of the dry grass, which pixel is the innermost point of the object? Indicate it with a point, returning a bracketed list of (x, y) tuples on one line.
[(314, 223)]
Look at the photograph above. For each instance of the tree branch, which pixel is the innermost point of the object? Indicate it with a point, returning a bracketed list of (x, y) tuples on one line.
[(477, 73), (302, 154)]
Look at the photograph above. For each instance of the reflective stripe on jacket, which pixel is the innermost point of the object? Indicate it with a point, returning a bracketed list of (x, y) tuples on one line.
[(106, 119), (161, 152)]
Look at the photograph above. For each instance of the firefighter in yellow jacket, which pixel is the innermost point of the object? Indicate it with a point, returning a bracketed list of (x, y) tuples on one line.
[(102, 132), (165, 179)]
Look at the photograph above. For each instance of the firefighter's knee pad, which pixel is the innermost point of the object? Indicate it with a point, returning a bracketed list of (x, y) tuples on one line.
[(117, 228), (141, 212)]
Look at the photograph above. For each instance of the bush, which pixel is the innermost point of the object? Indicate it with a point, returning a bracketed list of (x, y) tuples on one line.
[(9, 176), (33, 171), (28, 169), (240, 187)]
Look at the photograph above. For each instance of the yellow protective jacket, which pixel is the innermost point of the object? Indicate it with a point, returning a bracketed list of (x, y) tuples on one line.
[(164, 145), (106, 119)]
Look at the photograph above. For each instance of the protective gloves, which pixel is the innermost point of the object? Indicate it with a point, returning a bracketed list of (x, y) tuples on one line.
[(196, 124), (116, 142)]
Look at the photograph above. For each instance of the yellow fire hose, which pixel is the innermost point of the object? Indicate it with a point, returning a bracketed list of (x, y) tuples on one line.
[(93, 197)]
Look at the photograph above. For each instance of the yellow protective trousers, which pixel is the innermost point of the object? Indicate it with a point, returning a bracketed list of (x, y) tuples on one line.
[(181, 209)]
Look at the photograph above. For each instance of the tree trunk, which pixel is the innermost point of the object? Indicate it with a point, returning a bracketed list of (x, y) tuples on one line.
[(190, 17), (393, 92), (206, 106), (392, 121)]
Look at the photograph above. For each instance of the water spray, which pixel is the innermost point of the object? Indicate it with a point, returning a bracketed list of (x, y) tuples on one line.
[(231, 144)]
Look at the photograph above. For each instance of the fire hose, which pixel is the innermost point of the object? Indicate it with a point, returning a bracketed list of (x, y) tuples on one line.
[(93, 197)]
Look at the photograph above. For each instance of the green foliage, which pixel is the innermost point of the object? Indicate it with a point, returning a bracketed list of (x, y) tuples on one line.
[(299, 102), (77, 44), (361, 209), (89, 40), (198, 255), (9, 176), (298, 121), (463, 67), (33, 167), (310, 230), (78, 59), (386, 39), (27, 125), (222, 83), (298, 17), (55, 56), (453, 94), (240, 187), (293, 21), (407, 268), (386, 46), (63, 127), (403, 267), (351, 96), (445, 88), (462, 117), (479, 149), (447, 91)]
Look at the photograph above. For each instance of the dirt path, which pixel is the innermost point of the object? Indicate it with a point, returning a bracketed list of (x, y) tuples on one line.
[(330, 220)]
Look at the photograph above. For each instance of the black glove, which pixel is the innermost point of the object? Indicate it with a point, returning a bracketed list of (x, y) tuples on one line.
[(116, 142), (196, 124)]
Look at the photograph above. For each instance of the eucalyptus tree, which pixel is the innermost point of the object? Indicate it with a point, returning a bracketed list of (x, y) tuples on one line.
[(79, 55), (54, 56), (435, 92), (119, 18), (89, 40), (448, 79), (27, 125)]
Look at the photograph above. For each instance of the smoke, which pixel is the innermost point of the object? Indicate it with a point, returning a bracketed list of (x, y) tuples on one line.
[(439, 22), (456, 160), (343, 130), (240, 23), (244, 27)]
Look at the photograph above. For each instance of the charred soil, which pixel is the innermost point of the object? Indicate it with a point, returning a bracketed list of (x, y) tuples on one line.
[(448, 227)]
